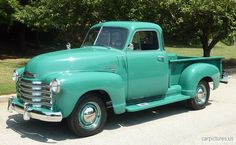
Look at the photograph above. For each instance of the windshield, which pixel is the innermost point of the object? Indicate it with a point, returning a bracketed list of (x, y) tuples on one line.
[(114, 37)]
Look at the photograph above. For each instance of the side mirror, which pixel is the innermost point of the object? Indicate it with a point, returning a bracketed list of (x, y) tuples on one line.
[(68, 45), (131, 46)]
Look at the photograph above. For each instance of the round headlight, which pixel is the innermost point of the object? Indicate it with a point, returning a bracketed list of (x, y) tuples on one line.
[(55, 86), (15, 75)]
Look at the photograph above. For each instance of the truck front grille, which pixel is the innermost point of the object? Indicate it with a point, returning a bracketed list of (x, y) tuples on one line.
[(35, 93)]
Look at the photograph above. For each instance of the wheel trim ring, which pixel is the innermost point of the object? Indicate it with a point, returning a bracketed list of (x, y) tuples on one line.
[(201, 94), (93, 119)]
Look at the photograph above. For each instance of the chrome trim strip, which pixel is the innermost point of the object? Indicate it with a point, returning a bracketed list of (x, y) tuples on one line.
[(36, 102), (37, 83), (30, 91), (37, 97), (33, 85)]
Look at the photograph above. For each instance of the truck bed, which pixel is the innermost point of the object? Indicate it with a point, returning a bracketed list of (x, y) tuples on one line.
[(178, 63)]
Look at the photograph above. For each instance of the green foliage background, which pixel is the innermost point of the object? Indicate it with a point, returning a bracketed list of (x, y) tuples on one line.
[(184, 21)]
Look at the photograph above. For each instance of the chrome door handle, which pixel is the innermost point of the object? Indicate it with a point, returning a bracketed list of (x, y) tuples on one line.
[(160, 58)]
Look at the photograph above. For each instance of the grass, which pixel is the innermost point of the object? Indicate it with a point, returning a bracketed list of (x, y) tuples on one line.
[(7, 66), (229, 52)]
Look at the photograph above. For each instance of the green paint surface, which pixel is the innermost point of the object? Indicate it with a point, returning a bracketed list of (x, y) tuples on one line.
[(129, 77)]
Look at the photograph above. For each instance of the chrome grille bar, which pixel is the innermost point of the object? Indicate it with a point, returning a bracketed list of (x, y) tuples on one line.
[(30, 85), (32, 97), (30, 91), (36, 103), (34, 92)]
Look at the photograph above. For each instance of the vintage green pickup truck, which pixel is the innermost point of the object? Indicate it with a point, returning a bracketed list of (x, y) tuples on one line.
[(120, 65)]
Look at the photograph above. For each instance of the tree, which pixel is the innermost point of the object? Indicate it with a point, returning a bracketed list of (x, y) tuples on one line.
[(66, 16), (210, 20), (8, 23), (3, 13), (70, 17)]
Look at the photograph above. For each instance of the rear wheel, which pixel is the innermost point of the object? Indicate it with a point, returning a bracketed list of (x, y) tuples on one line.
[(89, 116), (202, 96)]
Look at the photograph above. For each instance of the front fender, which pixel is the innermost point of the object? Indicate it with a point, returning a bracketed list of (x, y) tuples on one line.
[(74, 85), (20, 70), (191, 76)]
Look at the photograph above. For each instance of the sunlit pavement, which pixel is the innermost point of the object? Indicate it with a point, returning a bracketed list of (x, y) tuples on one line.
[(172, 124)]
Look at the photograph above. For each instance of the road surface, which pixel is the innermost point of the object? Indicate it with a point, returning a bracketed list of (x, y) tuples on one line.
[(172, 124)]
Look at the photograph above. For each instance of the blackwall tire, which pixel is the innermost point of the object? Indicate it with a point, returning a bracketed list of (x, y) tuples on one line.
[(202, 96), (89, 116)]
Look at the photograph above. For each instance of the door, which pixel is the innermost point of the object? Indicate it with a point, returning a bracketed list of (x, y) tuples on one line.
[(147, 66)]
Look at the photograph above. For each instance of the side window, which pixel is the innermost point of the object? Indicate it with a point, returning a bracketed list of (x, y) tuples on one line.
[(145, 40)]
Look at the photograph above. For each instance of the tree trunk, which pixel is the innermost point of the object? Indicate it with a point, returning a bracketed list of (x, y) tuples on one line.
[(206, 52), (21, 38), (205, 42), (234, 41), (206, 48), (37, 40)]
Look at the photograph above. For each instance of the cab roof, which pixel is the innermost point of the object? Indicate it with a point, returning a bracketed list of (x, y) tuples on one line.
[(130, 25)]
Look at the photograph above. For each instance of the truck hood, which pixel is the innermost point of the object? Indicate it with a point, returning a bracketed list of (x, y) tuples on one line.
[(82, 59)]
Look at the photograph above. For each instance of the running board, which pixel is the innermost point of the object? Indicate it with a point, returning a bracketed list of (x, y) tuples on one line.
[(160, 102)]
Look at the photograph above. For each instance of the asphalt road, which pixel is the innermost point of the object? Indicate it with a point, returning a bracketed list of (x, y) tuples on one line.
[(172, 124)]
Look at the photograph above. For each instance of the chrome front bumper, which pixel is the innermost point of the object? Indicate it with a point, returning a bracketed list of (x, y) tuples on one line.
[(32, 112)]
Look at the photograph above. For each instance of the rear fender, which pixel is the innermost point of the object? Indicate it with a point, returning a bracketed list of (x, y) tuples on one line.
[(194, 73)]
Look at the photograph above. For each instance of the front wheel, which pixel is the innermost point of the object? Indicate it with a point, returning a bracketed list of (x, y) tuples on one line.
[(202, 96), (89, 116)]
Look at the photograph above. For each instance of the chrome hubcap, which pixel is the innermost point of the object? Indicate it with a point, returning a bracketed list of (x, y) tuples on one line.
[(90, 116), (201, 94)]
